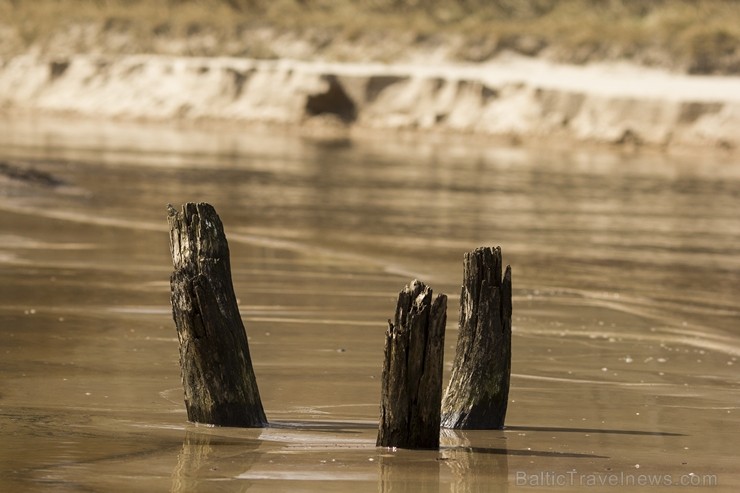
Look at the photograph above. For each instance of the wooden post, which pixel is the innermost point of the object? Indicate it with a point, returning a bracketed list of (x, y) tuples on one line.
[(217, 375), (411, 392), (478, 392)]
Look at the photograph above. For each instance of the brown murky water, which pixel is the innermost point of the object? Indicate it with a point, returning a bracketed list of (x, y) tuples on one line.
[(626, 317)]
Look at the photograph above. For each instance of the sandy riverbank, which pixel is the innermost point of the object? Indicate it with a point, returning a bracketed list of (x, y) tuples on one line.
[(511, 96)]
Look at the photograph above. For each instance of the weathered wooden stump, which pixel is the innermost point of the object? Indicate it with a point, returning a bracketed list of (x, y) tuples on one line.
[(411, 392), (478, 392), (217, 375)]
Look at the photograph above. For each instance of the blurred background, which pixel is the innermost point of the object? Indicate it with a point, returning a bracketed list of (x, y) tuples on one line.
[(546, 127)]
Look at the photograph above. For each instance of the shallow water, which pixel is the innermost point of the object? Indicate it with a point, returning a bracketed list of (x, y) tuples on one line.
[(626, 340)]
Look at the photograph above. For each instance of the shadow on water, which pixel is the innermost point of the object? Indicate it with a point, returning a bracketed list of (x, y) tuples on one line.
[(341, 427), (556, 429), (530, 453)]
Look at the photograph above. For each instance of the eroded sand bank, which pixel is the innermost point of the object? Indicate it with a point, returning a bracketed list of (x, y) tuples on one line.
[(512, 96)]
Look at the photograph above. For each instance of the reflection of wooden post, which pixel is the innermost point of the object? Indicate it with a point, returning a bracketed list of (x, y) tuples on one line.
[(412, 371), (217, 375), (409, 472), (205, 459), (478, 391), (475, 469), (192, 462)]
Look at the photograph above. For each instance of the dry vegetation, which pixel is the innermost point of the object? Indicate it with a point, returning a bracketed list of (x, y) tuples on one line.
[(698, 36)]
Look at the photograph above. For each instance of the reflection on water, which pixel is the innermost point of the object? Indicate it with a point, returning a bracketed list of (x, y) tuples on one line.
[(625, 332), (476, 468), (407, 472), (206, 458)]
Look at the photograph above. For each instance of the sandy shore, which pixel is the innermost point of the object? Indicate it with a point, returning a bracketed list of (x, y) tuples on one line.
[(515, 97)]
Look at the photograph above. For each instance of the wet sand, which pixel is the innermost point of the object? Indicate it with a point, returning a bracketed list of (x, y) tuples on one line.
[(625, 346)]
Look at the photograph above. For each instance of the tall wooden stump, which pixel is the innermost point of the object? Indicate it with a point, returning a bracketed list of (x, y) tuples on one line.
[(411, 392), (217, 375), (478, 391)]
